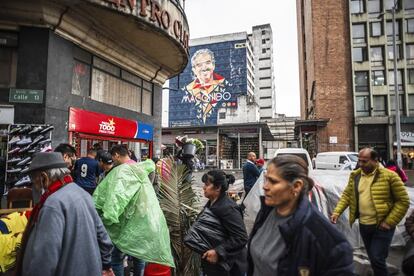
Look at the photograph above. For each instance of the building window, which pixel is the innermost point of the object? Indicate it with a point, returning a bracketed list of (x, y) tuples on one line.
[(410, 74), (410, 25), (380, 107), (374, 6), (357, 6), (409, 51), (362, 105), (264, 68), (147, 102), (263, 51), (377, 57), (81, 77), (263, 32), (376, 29), (399, 80), (264, 78), (222, 115), (359, 54), (378, 78), (389, 4), (263, 41), (264, 58), (389, 30), (361, 81), (411, 103), (358, 33), (391, 52), (409, 4), (400, 102), (8, 67)]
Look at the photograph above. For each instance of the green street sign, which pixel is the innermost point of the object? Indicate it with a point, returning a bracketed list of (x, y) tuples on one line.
[(26, 96)]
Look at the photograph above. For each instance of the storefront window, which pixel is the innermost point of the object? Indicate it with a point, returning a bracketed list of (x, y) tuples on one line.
[(81, 78), (8, 65)]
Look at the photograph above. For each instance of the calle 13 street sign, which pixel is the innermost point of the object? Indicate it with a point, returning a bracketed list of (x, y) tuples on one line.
[(26, 96)]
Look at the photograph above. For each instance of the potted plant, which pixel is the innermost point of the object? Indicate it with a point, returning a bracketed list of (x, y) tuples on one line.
[(190, 146)]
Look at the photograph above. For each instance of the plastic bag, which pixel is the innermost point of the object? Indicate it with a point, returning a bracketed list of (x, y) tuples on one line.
[(131, 213), (206, 233)]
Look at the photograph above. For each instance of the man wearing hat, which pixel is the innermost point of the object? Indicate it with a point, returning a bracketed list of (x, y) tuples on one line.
[(260, 164), (64, 235)]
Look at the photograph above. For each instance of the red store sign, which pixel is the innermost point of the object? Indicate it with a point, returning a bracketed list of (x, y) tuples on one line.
[(101, 124)]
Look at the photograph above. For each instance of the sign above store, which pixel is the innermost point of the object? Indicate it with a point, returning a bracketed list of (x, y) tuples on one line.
[(89, 122), (26, 96), (163, 14)]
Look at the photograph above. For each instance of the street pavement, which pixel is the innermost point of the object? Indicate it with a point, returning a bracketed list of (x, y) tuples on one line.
[(361, 260)]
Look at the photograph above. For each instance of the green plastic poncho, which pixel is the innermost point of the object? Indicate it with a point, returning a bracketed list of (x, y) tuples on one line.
[(130, 211)]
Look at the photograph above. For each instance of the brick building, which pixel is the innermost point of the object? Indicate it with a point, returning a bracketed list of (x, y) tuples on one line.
[(325, 70), (347, 77)]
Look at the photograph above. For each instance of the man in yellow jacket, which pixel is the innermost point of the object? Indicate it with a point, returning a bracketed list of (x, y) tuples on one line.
[(378, 199)]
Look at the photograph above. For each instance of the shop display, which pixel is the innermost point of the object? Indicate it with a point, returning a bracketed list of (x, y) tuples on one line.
[(24, 140)]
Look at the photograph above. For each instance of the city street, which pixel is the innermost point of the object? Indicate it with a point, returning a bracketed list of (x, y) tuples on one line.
[(361, 262)]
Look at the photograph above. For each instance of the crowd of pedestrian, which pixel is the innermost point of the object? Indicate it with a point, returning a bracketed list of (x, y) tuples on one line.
[(94, 213)]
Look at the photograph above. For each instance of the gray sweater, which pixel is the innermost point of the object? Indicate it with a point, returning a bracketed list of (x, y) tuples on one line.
[(68, 238)]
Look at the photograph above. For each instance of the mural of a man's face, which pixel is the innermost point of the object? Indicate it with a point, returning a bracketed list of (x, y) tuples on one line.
[(203, 68)]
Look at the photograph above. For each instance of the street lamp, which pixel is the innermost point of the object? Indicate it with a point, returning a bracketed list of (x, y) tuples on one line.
[(397, 99)]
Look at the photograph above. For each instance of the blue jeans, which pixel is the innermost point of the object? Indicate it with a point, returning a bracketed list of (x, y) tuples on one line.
[(139, 266), (117, 262), (377, 243)]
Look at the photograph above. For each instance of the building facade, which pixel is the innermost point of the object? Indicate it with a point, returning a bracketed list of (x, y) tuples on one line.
[(99, 56), (371, 37), (262, 40)]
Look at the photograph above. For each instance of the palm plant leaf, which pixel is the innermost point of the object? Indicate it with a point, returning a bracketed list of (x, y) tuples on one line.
[(180, 206)]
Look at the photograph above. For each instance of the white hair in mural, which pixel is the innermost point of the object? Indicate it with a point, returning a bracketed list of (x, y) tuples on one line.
[(201, 52)]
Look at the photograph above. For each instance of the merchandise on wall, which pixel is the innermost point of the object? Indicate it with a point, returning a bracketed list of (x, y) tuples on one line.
[(23, 141)]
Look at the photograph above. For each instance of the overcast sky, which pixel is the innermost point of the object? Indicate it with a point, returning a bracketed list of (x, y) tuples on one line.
[(215, 17)]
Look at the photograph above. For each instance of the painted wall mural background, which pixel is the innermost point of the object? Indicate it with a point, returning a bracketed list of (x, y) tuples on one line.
[(214, 77)]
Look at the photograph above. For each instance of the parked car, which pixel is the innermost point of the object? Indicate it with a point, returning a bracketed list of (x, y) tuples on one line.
[(336, 160), (302, 153)]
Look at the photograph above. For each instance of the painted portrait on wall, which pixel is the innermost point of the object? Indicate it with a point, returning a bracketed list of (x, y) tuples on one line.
[(208, 88)]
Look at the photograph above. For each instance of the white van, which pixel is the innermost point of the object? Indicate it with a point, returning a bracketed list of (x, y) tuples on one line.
[(336, 160), (302, 153)]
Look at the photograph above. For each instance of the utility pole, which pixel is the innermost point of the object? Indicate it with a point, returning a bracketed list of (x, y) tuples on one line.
[(397, 98)]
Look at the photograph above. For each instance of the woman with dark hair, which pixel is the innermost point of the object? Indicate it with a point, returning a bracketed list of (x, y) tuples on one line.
[(290, 236), (393, 166), (230, 251)]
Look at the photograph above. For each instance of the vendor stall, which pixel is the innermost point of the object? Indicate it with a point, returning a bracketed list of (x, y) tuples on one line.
[(87, 128)]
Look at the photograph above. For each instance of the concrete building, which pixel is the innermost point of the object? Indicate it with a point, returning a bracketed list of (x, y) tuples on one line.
[(346, 74), (85, 58), (262, 40)]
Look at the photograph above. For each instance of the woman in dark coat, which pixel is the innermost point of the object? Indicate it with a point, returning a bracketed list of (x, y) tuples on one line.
[(290, 236), (232, 250)]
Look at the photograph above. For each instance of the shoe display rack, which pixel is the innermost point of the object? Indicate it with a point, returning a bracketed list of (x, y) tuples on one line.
[(22, 143)]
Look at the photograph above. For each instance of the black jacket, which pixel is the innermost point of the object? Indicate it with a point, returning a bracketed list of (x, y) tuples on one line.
[(313, 245), (231, 218), (250, 175)]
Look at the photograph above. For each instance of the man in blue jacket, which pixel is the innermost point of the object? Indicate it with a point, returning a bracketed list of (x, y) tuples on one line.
[(250, 172)]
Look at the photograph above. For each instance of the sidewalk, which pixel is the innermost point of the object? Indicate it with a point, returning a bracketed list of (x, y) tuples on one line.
[(410, 175)]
